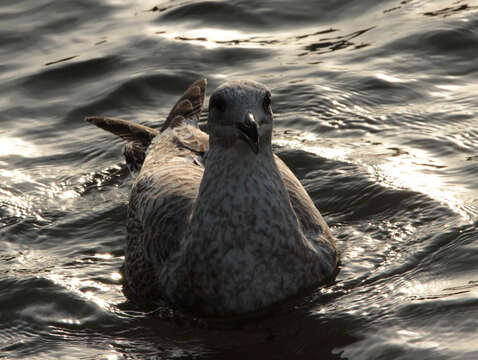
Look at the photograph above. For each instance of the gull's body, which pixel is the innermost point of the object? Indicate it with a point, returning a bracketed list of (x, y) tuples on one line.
[(218, 224)]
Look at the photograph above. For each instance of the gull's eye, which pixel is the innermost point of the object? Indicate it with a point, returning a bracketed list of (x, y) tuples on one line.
[(267, 102), (218, 103)]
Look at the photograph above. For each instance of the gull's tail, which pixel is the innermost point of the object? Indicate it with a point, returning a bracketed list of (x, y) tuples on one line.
[(138, 137)]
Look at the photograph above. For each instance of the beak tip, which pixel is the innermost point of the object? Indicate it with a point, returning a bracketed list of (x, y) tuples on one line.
[(249, 132)]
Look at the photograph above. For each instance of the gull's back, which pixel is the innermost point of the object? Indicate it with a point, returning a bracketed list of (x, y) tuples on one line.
[(160, 204), (163, 195), (170, 164)]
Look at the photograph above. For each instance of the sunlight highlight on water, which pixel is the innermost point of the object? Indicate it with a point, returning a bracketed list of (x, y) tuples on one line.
[(375, 109), (391, 79), (212, 38), (17, 146), (416, 171)]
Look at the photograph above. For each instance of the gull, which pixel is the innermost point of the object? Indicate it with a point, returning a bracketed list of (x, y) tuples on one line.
[(217, 224)]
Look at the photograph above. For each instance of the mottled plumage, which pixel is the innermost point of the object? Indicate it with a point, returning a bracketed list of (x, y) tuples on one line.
[(218, 224)]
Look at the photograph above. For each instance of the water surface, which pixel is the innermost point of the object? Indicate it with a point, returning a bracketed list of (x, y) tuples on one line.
[(376, 111)]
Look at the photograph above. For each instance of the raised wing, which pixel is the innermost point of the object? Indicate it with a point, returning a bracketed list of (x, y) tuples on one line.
[(139, 137), (188, 107)]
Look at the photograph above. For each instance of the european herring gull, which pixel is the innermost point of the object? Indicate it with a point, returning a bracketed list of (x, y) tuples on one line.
[(217, 224)]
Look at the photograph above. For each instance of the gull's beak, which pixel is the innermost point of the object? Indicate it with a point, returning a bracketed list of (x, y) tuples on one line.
[(249, 131)]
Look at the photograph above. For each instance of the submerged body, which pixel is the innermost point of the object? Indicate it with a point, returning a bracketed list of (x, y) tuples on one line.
[(220, 225)]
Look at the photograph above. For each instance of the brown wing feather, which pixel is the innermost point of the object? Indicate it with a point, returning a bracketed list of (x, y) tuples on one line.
[(127, 130), (139, 137), (189, 106)]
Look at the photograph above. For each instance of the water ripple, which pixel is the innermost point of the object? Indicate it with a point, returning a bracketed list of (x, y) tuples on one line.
[(375, 111)]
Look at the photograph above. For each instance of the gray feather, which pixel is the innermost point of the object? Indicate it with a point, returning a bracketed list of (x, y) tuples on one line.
[(214, 227)]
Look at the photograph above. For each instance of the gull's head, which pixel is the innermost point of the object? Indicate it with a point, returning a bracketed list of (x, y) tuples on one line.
[(240, 116)]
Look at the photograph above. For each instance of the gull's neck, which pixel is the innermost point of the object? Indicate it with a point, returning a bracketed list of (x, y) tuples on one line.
[(243, 200)]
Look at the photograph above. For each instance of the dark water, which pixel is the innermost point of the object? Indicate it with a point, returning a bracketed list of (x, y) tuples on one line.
[(376, 111)]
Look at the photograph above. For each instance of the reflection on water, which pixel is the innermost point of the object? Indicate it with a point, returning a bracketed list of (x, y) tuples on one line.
[(16, 146), (214, 38), (414, 170), (308, 142), (93, 290), (399, 168), (392, 79), (375, 111)]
